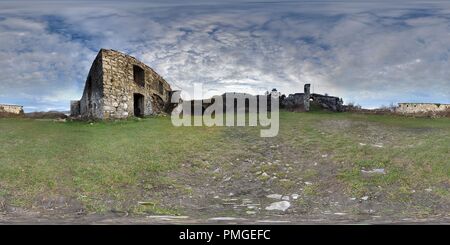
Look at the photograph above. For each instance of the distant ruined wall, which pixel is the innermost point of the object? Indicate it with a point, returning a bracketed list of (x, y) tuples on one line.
[(411, 108), (12, 109), (328, 102), (303, 101), (298, 101)]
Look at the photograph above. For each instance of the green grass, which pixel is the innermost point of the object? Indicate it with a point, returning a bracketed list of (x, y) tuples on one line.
[(415, 152), (115, 165), (94, 163)]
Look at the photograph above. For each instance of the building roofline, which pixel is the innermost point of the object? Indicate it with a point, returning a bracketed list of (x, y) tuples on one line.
[(329, 96), (11, 105), (418, 103)]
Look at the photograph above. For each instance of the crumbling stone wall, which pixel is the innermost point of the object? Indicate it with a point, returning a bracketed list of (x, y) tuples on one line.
[(11, 109), (297, 101), (119, 86), (303, 101), (411, 108), (330, 103), (91, 103), (75, 108)]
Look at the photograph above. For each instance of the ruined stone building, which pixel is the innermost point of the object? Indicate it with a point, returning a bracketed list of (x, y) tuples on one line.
[(411, 108), (120, 86), (11, 109), (297, 101), (304, 101)]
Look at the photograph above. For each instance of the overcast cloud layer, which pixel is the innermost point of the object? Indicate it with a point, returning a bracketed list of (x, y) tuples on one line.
[(371, 53)]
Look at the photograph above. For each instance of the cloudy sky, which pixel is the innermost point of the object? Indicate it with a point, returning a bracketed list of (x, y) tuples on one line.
[(368, 52)]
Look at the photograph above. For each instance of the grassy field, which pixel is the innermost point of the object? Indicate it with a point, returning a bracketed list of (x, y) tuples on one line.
[(150, 167)]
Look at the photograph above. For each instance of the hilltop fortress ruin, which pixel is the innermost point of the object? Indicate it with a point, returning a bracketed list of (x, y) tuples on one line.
[(304, 101), (120, 86)]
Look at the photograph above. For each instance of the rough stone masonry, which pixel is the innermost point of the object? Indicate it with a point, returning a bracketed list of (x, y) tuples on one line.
[(11, 109), (413, 108), (120, 86)]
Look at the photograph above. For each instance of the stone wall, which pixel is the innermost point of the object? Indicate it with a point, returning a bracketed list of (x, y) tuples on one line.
[(297, 101), (119, 86), (411, 108), (231, 101), (12, 109), (303, 101), (326, 102), (91, 102)]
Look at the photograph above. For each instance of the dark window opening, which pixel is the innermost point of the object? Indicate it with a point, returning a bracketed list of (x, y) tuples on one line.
[(89, 91), (139, 75), (138, 105)]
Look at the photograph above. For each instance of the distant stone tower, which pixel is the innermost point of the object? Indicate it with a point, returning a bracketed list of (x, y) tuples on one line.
[(307, 96), (307, 89)]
